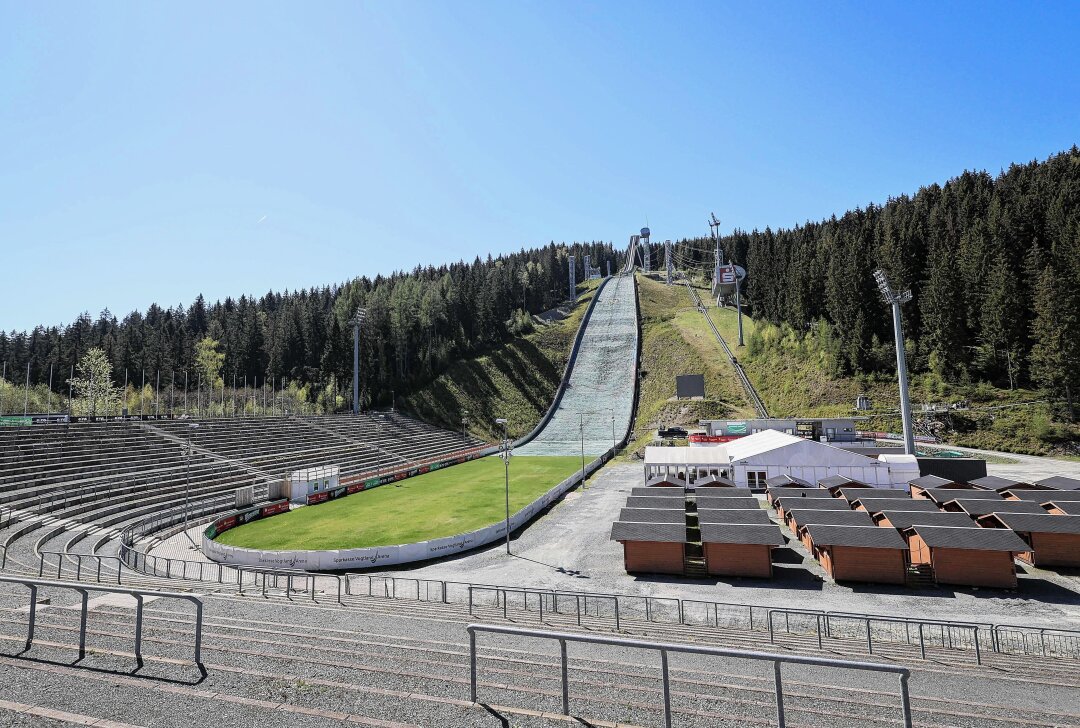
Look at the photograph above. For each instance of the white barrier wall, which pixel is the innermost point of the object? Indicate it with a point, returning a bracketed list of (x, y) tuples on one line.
[(366, 558)]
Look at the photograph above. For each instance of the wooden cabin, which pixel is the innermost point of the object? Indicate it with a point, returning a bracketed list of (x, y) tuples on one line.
[(877, 504), (999, 484), (772, 494), (739, 549), (1059, 482), (859, 553), (979, 507), (919, 486), (715, 481), (1043, 495), (656, 501), (665, 481), (749, 503), (1062, 508), (942, 495), (850, 493), (966, 556), (1053, 540), (653, 515), (733, 515), (797, 520), (834, 483), (787, 481), (906, 519), (821, 504), (651, 548)]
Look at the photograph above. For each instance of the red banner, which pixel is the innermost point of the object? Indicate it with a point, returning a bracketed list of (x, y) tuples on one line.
[(700, 439)]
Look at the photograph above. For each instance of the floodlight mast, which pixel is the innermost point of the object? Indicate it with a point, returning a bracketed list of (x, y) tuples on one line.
[(358, 320), (894, 300)]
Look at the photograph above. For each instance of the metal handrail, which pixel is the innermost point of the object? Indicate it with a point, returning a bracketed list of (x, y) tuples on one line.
[(137, 594), (666, 647)]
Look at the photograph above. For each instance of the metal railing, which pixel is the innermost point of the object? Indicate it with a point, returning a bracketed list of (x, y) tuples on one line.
[(137, 594), (664, 648)]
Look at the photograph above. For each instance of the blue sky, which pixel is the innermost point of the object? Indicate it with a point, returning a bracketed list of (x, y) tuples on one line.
[(152, 151)]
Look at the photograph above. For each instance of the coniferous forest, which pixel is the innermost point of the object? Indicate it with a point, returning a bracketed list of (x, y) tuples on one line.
[(416, 323), (993, 264)]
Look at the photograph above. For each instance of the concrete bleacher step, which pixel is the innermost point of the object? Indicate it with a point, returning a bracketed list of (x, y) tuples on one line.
[(601, 688)]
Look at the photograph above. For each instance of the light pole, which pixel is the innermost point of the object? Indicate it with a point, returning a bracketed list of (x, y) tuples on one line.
[(581, 431), (464, 420), (358, 320), (614, 443), (506, 454), (894, 300), (187, 487)]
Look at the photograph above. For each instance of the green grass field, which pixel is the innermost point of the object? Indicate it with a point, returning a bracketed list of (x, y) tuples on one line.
[(446, 502)]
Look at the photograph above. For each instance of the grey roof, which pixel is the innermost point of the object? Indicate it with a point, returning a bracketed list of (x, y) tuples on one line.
[(982, 507), (940, 495), (832, 480), (1071, 508), (858, 536), (930, 481), (827, 504), (665, 532), (725, 493), (747, 503), (1058, 482), (714, 481), (749, 533), (980, 539), (1040, 522), (803, 516), (802, 492), (1044, 496), (677, 482), (657, 492), (997, 483), (653, 515), (786, 481), (904, 519), (732, 515), (644, 501), (850, 493), (873, 505)]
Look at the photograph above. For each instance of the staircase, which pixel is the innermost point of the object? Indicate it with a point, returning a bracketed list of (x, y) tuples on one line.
[(920, 576)]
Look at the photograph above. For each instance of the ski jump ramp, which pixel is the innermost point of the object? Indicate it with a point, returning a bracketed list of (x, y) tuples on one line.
[(597, 403)]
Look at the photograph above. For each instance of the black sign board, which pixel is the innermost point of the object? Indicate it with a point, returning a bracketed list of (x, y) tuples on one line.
[(688, 386)]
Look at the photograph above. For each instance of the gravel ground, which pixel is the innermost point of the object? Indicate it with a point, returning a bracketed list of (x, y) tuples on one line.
[(602, 382)]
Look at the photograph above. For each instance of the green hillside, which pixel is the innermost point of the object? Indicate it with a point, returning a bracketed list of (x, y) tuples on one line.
[(516, 380)]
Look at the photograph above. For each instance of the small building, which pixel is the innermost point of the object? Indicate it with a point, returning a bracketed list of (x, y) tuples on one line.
[(798, 520), (854, 493), (656, 501), (750, 503), (725, 493), (651, 548), (665, 481), (733, 515), (786, 481), (1053, 540), (821, 504), (944, 495), (314, 485), (1059, 482), (859, 553), (715, 481), (875, 505), (829, 430), (928, 482), (773, 494), (906, 519), (838, 485), (739, 549), (684, 464), (1043, 495), (1062, 508), (966, 556), (978, 507), (999, 484), (652, 515)]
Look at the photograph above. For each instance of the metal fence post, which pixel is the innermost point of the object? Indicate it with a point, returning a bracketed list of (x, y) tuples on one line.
[(577, 600), (82, 621), (138, 628), (922, 642), (905, 700), (769, 615), (978, 654), (617, 624), (33, 616), (472, 658), (817, 623), (565, 679), (667, 688), (198, 631), (779, 694), (869, 638)]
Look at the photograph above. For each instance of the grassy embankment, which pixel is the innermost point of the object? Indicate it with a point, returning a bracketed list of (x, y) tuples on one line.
[(676, 340), (443, 503), (794, 376), (516, 381)]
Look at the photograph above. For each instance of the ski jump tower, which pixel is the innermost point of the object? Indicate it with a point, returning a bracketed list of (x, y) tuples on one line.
[(646, 255)]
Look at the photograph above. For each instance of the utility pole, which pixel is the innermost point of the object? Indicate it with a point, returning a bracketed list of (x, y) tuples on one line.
[(506, 454), (573, 282), (581, 431), (26, 391), (646, 255), (358, 320), (667, 260), (894, 300), (187, 487)]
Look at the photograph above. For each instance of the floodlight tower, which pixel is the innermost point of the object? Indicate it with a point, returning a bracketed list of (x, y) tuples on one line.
[(667, 260), (357, 322), (573, 281), (646, 255), (894, 300)]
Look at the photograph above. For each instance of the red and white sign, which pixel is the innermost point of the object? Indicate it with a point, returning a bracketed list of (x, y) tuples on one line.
[(699, 439)]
